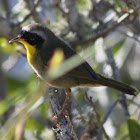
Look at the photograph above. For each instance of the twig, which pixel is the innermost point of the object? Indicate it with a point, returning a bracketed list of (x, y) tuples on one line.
[(20, 127), (79, 110), (10, 62), (108, 114), (75, 20), (122, 97), (104, 32), (7, 28), (63, 129), (5, 4), (129, 56), (27, 16), (57, 5), (130, 35), (3, 88), (22, 53), (97, 116), (38, 135), (133, 102), (110, 111), (131, 3)]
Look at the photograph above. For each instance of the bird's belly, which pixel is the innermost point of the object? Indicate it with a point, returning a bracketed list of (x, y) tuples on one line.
[(38, 67), (64, 82)]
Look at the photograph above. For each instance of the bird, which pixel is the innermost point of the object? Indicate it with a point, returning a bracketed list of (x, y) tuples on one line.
[(41, 43)]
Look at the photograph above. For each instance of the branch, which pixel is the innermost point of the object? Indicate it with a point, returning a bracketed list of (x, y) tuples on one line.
[(64, 128), (116, 74), (5, 4), (7, 28), (75, 20), (110, 111), (20, 128), (132, 3), (57, 5), (31, 12), (104, 32), (10, 62), (35, 15), (130, 35), (98, 117), (3, 88), (76, 106), (133, 102)]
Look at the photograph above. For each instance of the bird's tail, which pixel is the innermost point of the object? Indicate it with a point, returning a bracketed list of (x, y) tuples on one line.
[(116, 85)]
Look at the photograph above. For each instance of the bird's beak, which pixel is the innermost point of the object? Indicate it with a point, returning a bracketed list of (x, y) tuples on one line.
[(17, 39)]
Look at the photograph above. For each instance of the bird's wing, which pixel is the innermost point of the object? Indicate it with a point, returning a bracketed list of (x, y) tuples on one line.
[(84, 71)]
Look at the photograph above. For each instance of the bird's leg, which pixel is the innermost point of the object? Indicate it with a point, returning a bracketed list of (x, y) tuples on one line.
[(68, 92)]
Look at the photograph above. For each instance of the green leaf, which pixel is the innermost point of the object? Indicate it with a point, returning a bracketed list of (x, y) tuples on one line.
[(34, 124), (134, 129), (84, 5), (6, 47), (3, 107), (117, 47)]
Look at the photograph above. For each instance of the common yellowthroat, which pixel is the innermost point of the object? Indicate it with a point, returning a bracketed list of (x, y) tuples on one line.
[(41, 43)]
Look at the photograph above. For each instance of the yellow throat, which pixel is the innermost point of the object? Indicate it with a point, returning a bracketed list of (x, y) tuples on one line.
[(31, 50)]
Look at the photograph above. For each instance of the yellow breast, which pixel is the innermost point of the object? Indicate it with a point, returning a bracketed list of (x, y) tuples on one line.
[(31, 50)]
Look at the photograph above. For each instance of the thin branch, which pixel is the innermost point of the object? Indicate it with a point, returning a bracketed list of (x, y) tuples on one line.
[(79, 110), (31, 12), (75, 19), (116, 74), (130, 35), (132, 3), (97, 116), (22, 53), (63, 128), (8, 29), (110, 111), (38, 135), (20, 128), (130, 55), (3, 88), (133, 102), (57, 5), (5, 4), (10, 62), (104, 32)]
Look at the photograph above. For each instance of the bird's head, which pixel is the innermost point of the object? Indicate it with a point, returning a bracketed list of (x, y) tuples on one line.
[(32, 34)]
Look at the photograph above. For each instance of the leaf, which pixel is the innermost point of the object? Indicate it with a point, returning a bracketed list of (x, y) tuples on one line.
[(56, 59), (134, 129), (4, 106), (118, 47), (84, 5), (5, 46), (34, 124)]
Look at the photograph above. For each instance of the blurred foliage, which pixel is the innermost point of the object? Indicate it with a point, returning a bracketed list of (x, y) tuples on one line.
[(25, 107), (117, 47), (134, 129), (83, 5), (6, 47)]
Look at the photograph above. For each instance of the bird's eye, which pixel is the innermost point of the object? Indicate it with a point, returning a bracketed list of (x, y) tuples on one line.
[(32, 39)]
